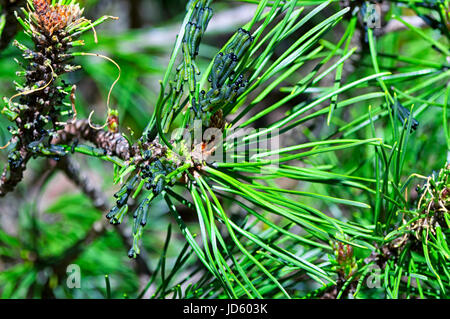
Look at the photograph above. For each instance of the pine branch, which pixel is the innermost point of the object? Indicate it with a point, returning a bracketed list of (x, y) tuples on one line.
[(39, 111), (113, 143)]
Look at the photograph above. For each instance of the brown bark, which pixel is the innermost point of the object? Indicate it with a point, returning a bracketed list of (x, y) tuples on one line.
[(113, 143), (13, 175)]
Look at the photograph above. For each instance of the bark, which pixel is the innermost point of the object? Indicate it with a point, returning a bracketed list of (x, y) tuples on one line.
[(114, 144)]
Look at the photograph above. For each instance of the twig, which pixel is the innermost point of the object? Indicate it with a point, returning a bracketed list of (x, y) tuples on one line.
[(13, 174), (72, 170), (113, 143)]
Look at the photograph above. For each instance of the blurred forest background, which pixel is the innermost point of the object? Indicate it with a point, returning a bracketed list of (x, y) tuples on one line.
[(47, 223)]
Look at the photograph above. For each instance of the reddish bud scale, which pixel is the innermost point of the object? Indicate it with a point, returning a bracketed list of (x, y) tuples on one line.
[(54, 18)]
